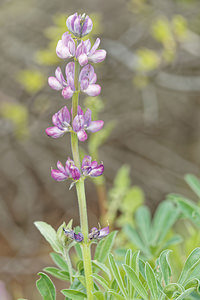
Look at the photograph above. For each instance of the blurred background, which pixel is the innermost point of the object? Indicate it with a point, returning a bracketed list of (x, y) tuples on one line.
[(150, 103)]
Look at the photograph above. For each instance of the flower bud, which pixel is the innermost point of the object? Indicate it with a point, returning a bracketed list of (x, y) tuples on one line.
[(62, 237), (79, 25)]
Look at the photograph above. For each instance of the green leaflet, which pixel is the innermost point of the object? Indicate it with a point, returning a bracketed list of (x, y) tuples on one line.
[(59, 261), (191, 263), (46, 287), (101, 281), (143, 220), (73, 294), (99, 295), (102, 267), (189, 209), (104, 247), (49, 234), (117, 275), (151, 281), (117, 296), (186, 293), (194, 183), (62, 275), (137, 284), (165, 266)]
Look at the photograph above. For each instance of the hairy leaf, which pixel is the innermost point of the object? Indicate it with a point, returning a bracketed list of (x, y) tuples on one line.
[(46, 287)]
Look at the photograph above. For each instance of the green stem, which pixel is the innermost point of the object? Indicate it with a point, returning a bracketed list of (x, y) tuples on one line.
[(68, 261), (80, 188)]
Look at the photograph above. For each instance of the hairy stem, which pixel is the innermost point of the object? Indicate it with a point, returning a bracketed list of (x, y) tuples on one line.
[(80, 188)]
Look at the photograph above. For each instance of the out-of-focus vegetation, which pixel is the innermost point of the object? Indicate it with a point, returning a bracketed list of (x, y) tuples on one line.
[(165, 40)]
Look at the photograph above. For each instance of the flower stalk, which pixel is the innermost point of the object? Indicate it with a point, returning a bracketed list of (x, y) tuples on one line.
[(80, 188)]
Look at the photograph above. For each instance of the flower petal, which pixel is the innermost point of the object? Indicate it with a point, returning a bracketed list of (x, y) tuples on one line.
[(62, 51), (83, 59), (65, 115), (103, 232), (54, 83), (95, 46), (95, 126), (86, 162), (59, 76), (98, 171), (87, 117), (75, 173), (78, 123), (57, 175), (82, 135), (78, 237), (67, 92), (60, 167), (98, 56), (93, 90), (54, 132)]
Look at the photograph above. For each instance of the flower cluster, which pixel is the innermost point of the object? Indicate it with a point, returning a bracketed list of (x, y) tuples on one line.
[(97, 234), (88, 168), (70, 234), (81, 123), (87, 80)]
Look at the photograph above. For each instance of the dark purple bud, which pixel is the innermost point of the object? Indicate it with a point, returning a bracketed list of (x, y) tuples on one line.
[(78, 237)]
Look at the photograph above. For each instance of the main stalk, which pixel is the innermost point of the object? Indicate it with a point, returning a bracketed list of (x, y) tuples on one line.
[(80, 188)]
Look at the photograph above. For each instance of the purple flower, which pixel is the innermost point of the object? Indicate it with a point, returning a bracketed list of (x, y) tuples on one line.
[(61, 122), (87, 79), (84, 52), (91, 168), (79, 25), (63, 173), (83, 122), (98, 234), (66, 47), (73, 236), (59, 83)]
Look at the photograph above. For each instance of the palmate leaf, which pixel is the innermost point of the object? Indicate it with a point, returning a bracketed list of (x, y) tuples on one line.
[(46, 287)]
